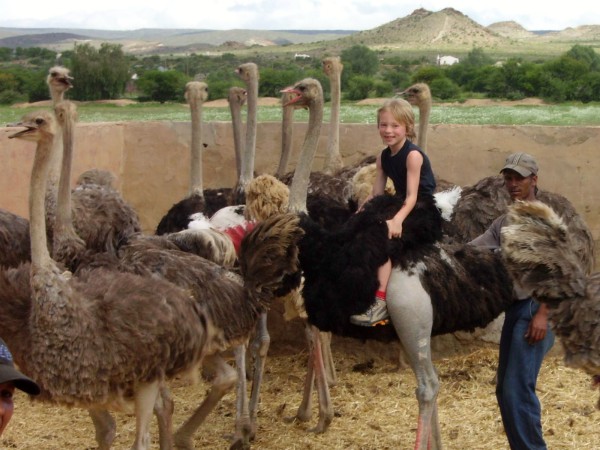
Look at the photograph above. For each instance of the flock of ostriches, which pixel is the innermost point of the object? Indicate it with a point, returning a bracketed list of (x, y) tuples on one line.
[(102, 316)]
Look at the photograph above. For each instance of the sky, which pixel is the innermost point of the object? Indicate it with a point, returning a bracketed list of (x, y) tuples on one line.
[(282, 15)]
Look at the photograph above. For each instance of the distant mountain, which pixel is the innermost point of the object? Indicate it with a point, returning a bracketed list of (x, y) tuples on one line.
[(445, 28), (423, 30), (161, 40), (511, 30)]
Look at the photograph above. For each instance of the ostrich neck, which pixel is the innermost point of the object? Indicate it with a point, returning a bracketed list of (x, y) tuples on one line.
[(247, 170), (53, 177), (287, 133), (333, 159), (236, 123), (40, 257), (64, 212), (424, 112), (196, 186), (299, 188)]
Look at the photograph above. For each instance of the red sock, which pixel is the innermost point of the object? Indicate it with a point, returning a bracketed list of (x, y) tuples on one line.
[(380, 295)]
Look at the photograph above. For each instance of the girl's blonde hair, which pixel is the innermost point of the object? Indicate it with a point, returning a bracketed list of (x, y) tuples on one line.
[(402, 112)]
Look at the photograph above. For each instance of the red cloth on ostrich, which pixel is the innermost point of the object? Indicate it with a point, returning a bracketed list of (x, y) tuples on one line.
[(237, 233)]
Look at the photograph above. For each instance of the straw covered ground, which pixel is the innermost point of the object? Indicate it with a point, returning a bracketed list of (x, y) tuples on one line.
[(374, 402)]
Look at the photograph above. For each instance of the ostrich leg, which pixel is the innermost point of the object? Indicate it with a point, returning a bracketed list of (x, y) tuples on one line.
[(260, 348), (145, 399), (163, 410), (244, 429), (411, 313), (225, 379), (105, 427), (315, 373), (328, 359), (246, 412)]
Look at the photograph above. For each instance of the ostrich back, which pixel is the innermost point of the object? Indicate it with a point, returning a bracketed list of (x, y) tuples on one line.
[(15, 246), (107, 331), (102, 218), (468, 286)]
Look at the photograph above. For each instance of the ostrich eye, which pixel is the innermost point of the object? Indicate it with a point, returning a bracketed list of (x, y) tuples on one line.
[(39, 121)]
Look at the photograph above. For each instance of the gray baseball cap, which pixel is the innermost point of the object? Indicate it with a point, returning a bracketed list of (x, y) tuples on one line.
[(522, 163)]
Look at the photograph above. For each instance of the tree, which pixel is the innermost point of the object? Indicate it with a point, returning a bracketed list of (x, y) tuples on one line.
[(99, 74), (162, 86), (358, 60), (359, 87)]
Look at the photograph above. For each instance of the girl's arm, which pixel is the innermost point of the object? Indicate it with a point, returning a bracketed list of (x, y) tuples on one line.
[(414, 161), (379, 183)]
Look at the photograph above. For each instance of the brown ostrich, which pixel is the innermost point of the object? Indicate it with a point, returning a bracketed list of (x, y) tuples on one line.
[(236, 99), (101, 339), (59, 82), (287, 133), (542, 255), (248, 73), (215, 294), (93, 216), (14, 239), (333, 67)]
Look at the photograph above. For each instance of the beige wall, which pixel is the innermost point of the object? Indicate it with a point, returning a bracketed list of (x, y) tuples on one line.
[(151, 159)]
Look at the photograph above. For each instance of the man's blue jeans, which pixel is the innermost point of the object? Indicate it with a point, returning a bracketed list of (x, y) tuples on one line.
[(518, 368)]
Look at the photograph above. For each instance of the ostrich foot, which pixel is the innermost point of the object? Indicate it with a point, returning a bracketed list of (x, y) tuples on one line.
[(182, 442), (322, 426), (244, 434)]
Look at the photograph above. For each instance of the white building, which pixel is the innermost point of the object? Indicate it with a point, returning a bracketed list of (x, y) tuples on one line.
[(447, 60)]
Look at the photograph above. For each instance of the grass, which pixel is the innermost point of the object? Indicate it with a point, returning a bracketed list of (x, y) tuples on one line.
[(552, 115)]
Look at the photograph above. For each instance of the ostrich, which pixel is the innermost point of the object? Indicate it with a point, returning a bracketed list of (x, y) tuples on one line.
[(333, 68), (248, 73), (59, 81), (214, 294), (14, 239), (236, 99), (542, 256), (429, 292), (177, 218), (287, 132), (98, 218), (125, 334)]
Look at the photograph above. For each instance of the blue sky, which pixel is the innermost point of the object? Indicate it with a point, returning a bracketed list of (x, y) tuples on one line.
[(277, 14)]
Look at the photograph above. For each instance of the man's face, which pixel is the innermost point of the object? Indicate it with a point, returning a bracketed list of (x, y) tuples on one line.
[(518, 186), (7, 391)]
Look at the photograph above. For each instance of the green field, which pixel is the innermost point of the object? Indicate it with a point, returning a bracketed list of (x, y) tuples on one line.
[(555, 115)]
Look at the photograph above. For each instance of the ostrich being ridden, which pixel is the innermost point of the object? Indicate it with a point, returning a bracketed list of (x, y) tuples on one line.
[(434, 288)]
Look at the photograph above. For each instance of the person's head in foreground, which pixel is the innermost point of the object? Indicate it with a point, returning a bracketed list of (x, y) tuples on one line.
[(11, 378)]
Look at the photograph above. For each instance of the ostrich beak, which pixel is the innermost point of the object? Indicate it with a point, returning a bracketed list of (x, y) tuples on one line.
[(297, 95), (29, 127)]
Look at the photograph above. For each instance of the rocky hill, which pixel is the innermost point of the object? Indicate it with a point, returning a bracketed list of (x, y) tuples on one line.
[(511, 30), (422, 30), (447, 27)]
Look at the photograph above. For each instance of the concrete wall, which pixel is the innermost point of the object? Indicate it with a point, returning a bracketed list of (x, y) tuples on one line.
[(151, 159)]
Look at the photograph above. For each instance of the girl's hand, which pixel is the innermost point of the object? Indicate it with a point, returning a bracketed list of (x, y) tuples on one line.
[(394, 229)]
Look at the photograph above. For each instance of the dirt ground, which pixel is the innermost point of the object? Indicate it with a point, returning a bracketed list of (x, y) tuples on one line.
[(374, 403)]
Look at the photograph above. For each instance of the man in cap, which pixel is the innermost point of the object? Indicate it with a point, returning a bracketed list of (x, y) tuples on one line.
[(526, 336), (11, 378)]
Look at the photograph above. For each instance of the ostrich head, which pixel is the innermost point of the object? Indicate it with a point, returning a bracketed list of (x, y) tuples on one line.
[(417, 94), (237, 96), (39, 126), (332, 65), (59, 79), (196, 92), (247, 72), (305, 92)]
